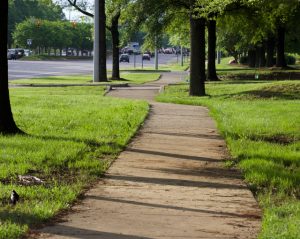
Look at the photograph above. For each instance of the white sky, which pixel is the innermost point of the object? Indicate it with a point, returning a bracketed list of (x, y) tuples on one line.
[(73, 15)]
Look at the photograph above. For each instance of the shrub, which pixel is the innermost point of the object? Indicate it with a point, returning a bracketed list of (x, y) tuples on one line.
[(290, 60)]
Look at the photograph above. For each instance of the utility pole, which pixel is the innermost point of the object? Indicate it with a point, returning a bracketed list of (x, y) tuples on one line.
[(96, 75), (156, 54), (181, 55)]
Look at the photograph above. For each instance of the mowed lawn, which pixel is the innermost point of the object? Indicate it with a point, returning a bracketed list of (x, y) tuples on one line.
[(261, 124), (127, 77), (72, 136)]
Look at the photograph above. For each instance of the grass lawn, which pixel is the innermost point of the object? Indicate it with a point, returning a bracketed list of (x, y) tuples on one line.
[(127, 77), (260, 121), (73, 134), (237, 71)]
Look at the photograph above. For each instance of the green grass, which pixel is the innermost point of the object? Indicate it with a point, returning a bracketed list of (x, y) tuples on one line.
[(173, 66), (73, 134), (261, 124), (127, 77), (237, 71)]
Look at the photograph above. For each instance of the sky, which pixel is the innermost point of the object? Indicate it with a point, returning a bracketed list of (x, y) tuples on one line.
[(72, 14)]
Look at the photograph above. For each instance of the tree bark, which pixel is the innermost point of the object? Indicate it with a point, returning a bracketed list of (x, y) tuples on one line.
[(270, 45), (280, 59), (260, 56), (251, 58), (102, 41), (115, 46), (7, 123), (212, 38), (197, 65)]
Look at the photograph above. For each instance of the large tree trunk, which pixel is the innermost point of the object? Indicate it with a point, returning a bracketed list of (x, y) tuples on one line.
[(7, 123), (102, 42), (212, 38), (115, 46), (251, 58), (280, 59), (270, 45), (197, 65)]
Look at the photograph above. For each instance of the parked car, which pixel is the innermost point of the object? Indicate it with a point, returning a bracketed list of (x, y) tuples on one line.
[(124, 57), (27, 52), (16, 53), (146, 57), (150, 53)]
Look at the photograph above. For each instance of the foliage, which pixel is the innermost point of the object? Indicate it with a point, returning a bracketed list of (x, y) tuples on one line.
[(20, 10), (54, 34)]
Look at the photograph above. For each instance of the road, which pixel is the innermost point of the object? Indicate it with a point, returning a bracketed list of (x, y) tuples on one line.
[(33, 69)]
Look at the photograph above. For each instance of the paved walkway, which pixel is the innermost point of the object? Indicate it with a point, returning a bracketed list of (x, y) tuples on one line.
[(169, 183)]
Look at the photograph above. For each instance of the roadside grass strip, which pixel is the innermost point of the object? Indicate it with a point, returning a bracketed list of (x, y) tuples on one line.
[(131, 78), (72, 136), (261, 124)]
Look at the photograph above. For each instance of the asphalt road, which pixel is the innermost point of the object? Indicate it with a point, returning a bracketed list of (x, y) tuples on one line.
[(33, 69)]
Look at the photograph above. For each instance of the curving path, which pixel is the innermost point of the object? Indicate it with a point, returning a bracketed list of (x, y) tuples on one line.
[(170, 182)]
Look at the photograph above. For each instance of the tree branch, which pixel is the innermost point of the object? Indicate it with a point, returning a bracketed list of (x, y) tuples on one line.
[(74, 4)]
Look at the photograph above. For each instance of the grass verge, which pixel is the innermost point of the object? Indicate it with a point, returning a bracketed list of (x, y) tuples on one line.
[(132, 78), (261, 124), (73, 134)]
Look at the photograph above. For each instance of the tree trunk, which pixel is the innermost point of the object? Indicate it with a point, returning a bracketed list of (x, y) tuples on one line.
[(270, 45), (197, 64), (102, 42), (7, 123), (212, 38), (280, 59), (251, 58), (115, 46), (257, 52), (262, 56)]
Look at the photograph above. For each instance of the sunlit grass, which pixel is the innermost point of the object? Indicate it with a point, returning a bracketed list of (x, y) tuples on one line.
[(72, 136), (261, 124), (127, 77)]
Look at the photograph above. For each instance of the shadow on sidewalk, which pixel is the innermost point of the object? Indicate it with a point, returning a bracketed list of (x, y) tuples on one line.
[(216, 213), (74, 232)]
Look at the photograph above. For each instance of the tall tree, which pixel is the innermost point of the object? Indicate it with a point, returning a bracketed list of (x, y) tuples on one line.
[(19, 10), (212, 41), (7, 123)]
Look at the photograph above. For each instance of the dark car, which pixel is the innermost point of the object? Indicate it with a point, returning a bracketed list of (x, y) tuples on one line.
[(13, 54), (124, 57), (146, 57)]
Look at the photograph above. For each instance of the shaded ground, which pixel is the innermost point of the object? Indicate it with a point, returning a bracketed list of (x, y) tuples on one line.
[(170, 182)]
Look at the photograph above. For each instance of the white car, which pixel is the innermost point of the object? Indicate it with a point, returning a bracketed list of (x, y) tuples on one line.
[(27, 52)]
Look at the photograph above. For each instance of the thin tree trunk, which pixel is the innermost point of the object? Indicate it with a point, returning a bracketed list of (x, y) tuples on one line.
[(270, 45), (251, 58), (262, 56), (197, 64), (7, 123), (115, 46), (102, 41), (257, 56), (212, 38), (280, 60)]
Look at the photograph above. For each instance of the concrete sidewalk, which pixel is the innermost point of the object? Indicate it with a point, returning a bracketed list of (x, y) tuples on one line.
[(170, 182)]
